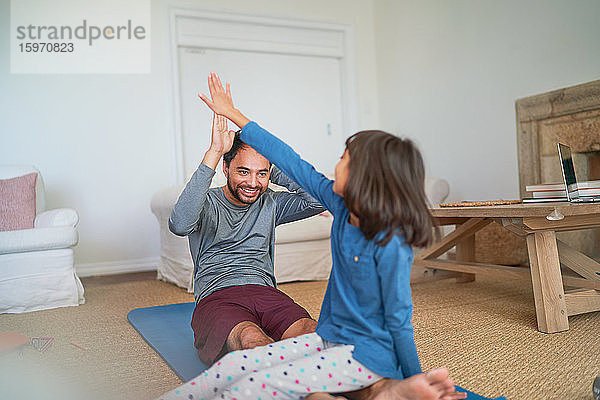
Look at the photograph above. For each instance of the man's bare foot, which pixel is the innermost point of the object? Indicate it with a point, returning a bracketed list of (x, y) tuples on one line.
[(434, 385)]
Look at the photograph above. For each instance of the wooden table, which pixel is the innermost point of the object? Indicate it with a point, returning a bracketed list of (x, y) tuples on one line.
[(538, 223)]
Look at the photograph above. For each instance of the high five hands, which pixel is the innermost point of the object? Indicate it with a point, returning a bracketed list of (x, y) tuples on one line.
[(221, 102)]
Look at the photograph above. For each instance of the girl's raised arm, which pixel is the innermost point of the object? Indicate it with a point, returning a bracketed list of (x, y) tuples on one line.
[(275, 150), (303, 173)]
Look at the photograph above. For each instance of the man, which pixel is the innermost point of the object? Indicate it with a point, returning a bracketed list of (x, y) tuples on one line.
[(231, 231)]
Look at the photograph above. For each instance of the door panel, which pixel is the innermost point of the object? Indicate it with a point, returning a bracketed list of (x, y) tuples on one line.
[(297, 98)]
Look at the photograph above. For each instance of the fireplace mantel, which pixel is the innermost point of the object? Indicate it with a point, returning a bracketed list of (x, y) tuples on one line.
[(570, 115)]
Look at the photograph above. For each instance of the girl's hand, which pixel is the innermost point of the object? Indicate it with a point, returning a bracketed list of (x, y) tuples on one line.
[(221, 101), (222, 138)]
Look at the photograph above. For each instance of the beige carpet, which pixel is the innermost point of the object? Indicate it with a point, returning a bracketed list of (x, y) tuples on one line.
[(483, 331)]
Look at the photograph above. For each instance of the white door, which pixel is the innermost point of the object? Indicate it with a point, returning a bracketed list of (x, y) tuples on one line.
[(298, 98)]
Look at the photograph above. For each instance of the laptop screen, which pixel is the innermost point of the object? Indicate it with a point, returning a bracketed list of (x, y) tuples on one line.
[(568, 170)]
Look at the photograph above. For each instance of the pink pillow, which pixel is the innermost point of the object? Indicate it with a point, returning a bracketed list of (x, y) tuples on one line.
[(17, 202)]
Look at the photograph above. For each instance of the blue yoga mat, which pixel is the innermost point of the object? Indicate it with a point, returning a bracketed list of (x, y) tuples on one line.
[(167, 330)]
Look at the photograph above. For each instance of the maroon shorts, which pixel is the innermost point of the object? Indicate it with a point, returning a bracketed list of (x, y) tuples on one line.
[(216, 315)]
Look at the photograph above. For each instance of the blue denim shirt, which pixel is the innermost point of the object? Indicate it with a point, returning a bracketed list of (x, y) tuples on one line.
[(368, 299)]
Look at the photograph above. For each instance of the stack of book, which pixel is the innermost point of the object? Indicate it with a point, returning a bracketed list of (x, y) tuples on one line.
[(556, 191)]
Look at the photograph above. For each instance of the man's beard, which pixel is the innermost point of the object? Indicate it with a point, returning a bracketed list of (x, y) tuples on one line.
[(235, 192)]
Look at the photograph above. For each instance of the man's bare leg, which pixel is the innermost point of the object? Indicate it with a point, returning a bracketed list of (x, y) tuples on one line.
[(322, 396), (434, 385), (247, 335), (300, 327)]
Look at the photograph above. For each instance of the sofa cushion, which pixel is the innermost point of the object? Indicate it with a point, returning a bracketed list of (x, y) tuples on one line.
[(17, 202), (313, 228)]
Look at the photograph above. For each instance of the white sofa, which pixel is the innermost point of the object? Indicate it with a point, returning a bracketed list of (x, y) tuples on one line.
[(37, 270), (302, 248)]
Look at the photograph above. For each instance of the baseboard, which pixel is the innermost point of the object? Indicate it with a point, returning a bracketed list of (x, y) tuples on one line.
[(419, 274), (117, 267)]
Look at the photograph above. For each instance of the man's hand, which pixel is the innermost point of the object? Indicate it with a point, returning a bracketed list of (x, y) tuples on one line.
[(221, 101), (221, 141), (222, 138)]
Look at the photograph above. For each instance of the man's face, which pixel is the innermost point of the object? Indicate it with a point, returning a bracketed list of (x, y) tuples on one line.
[(247, 176)]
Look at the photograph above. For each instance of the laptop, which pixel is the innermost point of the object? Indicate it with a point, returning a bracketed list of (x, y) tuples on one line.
[(569, 177)]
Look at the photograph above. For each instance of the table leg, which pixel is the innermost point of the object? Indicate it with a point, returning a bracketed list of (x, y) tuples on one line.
[(548, 291), (465, 251)]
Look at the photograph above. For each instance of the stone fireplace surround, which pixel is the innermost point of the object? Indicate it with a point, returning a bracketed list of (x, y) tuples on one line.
[(571, 116)]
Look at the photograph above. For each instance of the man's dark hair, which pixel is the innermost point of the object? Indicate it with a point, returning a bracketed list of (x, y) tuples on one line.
[(385, 188), (235, 147)]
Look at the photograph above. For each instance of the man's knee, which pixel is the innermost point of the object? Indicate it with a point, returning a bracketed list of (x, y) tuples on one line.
[(300, 327), (307, 325), (247, 335)]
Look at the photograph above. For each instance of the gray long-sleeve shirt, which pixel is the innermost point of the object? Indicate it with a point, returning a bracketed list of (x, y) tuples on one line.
[(233, 245)]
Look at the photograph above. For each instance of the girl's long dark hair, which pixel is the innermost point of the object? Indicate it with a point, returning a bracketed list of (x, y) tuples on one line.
[(385, 188)]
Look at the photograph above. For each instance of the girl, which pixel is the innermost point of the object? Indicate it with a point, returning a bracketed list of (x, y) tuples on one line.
[(364, 333)]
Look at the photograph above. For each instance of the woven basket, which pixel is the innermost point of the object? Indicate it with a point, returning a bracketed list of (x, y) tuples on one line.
[(496, 245)]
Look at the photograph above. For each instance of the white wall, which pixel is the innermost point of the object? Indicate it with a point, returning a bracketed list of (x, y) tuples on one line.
[(103, 142), (446, 73), (450, 71)]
